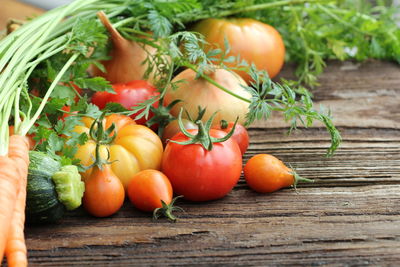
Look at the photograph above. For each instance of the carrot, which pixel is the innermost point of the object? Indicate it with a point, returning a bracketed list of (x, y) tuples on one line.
[(8, 194), (16, 251)]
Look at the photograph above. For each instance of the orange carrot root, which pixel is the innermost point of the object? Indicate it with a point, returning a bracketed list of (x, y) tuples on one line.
[(9, 176), (16, 251)]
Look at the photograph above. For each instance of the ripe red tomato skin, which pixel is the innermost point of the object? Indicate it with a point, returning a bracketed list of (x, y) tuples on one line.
[(104, 192), (66, 114), (265, 173), (240, 135), (201, 175), (128, 95), (147, 188)]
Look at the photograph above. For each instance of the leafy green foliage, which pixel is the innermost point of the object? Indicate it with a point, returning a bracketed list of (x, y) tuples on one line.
[(343, 30), (97, 84), (294, 103), (87, 34)]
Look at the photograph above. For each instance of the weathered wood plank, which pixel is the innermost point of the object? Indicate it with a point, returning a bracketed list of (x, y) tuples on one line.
[(12, 9), (367, 96), (349, 216), (352, 225)]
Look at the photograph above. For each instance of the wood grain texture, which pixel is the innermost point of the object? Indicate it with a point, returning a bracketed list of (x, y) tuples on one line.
[(12, 9), (350, 216)]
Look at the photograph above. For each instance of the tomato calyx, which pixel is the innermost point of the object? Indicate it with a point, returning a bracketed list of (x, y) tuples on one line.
[(200, 114), (162, 116), (203, 134), (167, 209), (298, 179)]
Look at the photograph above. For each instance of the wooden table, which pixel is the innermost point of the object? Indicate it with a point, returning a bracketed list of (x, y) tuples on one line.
[(12, 9), (348, 217)]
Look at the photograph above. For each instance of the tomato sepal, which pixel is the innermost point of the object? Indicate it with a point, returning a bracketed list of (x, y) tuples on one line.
[(203, 134), (167, 209), (162, 116), (298, 179)]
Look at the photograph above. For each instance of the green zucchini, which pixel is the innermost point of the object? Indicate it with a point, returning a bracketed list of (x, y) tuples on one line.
[(43, 203)]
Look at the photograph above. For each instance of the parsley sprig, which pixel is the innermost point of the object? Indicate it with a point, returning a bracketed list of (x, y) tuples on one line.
[(294, 103)]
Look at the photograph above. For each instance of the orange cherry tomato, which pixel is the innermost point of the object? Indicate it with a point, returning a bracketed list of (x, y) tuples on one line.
[(254, 41), (104, 192), (265, 173), (147, 188)]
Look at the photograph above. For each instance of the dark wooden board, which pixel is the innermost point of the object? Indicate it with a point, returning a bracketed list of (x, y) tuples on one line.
[(348, 217)]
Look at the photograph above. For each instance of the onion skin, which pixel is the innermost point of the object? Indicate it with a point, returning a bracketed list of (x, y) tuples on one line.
[(128, 58), (194, 92)]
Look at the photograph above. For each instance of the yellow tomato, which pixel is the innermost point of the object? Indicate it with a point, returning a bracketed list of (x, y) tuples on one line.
[(135, 148)]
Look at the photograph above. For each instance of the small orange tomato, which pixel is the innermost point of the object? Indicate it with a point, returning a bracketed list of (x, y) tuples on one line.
[(148, 188), (265, 173), (104, 192)]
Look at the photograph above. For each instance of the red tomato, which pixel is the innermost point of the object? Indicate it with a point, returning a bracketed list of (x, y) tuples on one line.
[(147, 188), (199, 174), (66, 114), (128, 95), (104, 192), (240, 135), (265, 173), (254, 41), (78, 90)]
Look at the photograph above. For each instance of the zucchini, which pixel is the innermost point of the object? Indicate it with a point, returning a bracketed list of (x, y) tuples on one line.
[(43, 203)]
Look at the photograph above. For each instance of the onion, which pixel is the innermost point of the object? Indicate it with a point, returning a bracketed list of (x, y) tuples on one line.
[(196, 92), (128, 58)]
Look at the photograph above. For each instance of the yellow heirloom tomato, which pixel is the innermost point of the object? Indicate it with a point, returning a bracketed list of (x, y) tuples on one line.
[(135, 148)]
